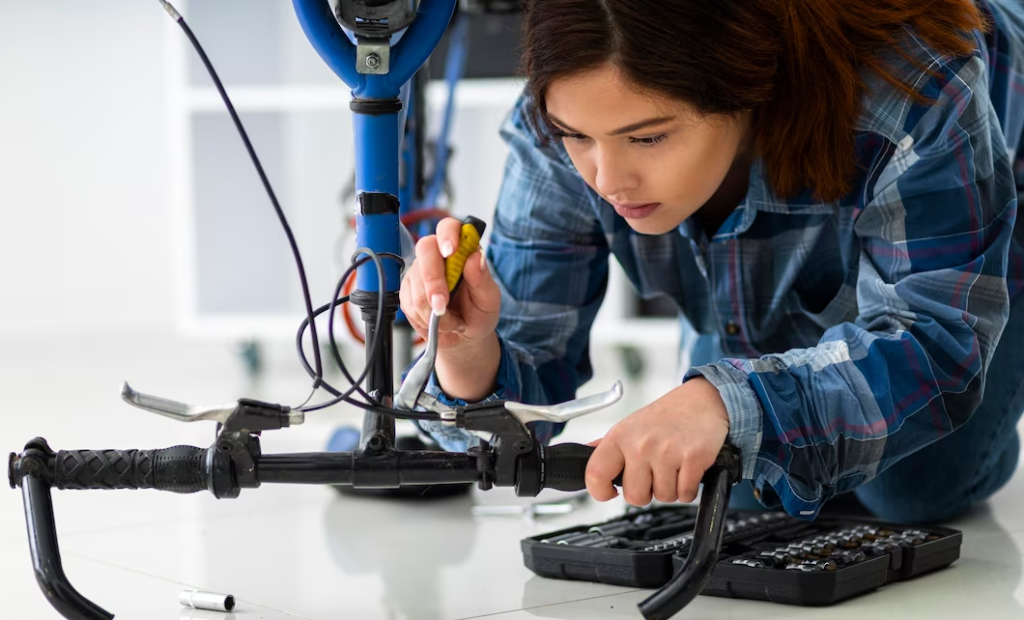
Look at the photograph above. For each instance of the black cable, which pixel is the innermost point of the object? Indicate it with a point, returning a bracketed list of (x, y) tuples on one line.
[(310, 320), (306, 402), (375, 344), (318, 378), (378, 325), (302, 353), (398, 413), (335, 302), (374, 348), (300, 349), (299, 346)]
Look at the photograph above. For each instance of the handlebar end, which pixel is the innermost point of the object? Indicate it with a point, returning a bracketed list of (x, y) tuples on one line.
[(10, 470)]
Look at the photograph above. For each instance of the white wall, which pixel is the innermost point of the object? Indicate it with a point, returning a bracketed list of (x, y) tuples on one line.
[(86, 234), (84, 212), (87, 244)]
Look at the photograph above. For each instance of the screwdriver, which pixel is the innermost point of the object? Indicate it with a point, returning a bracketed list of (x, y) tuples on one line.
[(416, 381), (469, 241)]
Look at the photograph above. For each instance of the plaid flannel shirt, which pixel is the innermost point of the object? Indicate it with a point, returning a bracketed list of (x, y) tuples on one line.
[(855, 332)]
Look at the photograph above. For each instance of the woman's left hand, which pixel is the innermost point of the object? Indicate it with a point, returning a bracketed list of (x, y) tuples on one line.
[(663, 449)]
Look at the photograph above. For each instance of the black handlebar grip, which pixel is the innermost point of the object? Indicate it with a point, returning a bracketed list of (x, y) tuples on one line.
[(565, 467), (180, 469)]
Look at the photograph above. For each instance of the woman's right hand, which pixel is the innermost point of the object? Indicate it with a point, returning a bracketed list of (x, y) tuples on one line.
[(472, 316)]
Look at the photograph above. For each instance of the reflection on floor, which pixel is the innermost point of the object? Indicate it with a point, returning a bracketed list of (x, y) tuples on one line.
[(291, 552)]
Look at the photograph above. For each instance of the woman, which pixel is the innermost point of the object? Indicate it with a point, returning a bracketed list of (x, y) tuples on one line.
[(826, 191)]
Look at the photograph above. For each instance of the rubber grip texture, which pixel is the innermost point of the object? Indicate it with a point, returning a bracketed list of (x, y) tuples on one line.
[(179, 469), (566, 467), (469, 242)]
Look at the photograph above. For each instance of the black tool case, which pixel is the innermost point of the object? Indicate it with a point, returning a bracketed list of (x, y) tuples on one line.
[(766, 556)]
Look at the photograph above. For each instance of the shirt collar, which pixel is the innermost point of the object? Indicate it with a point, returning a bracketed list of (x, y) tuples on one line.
[(759, 197)]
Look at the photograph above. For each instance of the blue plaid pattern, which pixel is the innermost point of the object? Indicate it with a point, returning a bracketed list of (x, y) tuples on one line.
[(855, 332)]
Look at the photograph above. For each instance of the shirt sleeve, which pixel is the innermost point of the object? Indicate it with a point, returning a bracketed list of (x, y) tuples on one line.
[(549, 256), (932, 304)]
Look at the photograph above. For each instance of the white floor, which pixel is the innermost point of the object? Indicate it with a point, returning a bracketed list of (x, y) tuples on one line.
[(306, 552)]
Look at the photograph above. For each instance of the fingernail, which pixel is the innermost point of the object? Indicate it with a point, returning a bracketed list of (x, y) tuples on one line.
[(437, 304), (483, 262), (447, 249)]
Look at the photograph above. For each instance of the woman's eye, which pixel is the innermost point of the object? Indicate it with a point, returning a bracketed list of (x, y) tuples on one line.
[(648, 141), (575, 137)]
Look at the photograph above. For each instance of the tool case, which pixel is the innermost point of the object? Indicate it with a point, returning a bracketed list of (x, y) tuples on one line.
[(766, 556)]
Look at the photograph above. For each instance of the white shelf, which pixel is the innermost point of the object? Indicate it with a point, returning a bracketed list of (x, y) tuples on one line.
[(299, 119), (269, 98), (500, 93), (262, 326)]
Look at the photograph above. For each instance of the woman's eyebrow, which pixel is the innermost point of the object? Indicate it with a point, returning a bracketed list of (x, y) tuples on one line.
[(622, 130)]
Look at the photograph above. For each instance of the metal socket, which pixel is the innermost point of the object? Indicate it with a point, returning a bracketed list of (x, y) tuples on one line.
[(198, 599), (749, 562), (579, 539)]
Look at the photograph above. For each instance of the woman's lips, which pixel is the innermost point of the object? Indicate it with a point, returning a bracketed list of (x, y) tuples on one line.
[(636, 212)]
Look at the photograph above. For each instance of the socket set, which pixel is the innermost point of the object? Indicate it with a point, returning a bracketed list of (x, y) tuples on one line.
[(767, 556)]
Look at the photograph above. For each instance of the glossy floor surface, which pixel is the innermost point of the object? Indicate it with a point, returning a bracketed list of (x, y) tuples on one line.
[(307, 552)]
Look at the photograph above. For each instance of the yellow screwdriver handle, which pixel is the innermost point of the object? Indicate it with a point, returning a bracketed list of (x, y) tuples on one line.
[(469, 242)]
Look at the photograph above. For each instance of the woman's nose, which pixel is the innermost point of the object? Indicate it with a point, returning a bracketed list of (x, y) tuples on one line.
[(614, 177)]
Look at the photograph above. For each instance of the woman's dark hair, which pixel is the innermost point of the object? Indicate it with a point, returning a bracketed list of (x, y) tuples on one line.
[(795, 63)]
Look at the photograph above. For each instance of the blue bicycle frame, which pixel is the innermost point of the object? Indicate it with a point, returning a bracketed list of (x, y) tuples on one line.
[(377, 104)]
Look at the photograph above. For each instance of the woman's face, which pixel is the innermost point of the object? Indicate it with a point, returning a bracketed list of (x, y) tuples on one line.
[(653, 158)]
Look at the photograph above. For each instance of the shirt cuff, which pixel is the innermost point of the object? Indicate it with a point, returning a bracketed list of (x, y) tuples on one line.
[(506, 385), (745, 415)]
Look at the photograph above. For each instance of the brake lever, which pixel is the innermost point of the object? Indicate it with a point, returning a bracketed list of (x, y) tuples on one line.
[(243, 416), (514, 445), (565, 411), (524, 413), (175, 410), (411, 391)]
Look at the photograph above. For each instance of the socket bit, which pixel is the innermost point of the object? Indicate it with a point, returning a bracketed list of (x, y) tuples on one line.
[(812, 549), (671, 528), (879, 547), (561, 537), (602, 542), (898, 542), (850, 557), (616, 528), (671, 543), (580, 539), (749, 562), (843, 542), (824, 564), (645, 519), (777, 559)]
